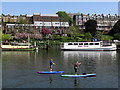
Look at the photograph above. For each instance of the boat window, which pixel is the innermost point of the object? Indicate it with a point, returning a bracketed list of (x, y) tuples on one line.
[(80, 43), (96, 43), (85, 43), (69, 43), (90, 43), (75, 43)]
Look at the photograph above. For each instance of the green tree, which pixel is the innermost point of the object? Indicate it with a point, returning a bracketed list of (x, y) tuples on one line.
[(107, 37), (98, 35), (56, 37), (73, 30), (117, 36), (65, 39), (0, 37), (65, 17), (116, 28), (90, 26), (75, 34), (6, 37), (87, 37)]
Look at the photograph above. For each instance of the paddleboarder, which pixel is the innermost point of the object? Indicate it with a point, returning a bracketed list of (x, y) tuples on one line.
[(76, 65), (51, 64)]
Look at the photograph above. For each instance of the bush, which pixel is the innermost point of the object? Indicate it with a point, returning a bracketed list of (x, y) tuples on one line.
[(65, 39), (107, 37), (6, 37), (117, 36)]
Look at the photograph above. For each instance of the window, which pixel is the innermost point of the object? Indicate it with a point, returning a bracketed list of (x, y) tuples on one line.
[(96, 43), (85, 43), (75, 43), (69, 43), (90, 43), (80, 43)]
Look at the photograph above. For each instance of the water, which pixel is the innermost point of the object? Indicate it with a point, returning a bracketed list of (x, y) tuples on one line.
[(19, 69)]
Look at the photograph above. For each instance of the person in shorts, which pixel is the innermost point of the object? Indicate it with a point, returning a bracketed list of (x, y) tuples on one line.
[(76, 66), (51, 64)]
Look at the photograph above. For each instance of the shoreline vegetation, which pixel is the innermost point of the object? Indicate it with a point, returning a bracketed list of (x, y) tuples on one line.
[(47, 39)]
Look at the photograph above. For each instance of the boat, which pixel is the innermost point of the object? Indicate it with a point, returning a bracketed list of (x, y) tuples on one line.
[(17, 47), (50, 72), (89, 46), (82, 75)]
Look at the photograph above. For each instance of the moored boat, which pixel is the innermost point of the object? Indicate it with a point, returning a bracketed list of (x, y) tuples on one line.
[(89, 46), (17, 47)]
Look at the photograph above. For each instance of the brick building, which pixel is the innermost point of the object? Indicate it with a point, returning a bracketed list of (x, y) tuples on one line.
[(35, 23)]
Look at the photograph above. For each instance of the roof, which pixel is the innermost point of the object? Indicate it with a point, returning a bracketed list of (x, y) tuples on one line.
[(49, 15)]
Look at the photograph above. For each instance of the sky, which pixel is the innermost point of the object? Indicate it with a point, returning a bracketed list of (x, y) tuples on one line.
[(17, 8)]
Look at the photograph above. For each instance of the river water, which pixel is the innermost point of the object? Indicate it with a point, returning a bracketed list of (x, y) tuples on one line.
[(19, 69)]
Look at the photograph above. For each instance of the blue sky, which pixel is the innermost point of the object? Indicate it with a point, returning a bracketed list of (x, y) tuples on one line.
[(17, 8)]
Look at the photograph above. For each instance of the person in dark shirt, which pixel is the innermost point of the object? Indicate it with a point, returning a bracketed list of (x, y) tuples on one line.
[(76, 65), (51, 64)]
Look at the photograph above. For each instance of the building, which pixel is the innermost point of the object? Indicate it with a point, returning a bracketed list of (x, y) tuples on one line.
[(35, 23), (51, 21), (104, 22)]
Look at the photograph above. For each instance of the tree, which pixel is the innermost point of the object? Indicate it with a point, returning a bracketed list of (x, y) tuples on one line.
[(21, 35), (75, 34), (106, 37), (98, 35), (116, 28), (73, 30), (65, 17), (6, 37), (90, 26), (45, 31), (65, 39), (87, 36), (117, 36)]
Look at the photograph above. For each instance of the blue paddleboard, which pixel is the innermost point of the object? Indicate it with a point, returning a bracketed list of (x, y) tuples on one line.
[(48, 72), (86, 75)]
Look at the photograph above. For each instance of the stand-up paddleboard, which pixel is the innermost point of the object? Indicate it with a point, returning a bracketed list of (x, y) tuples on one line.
[(86, 75), (48, 72)]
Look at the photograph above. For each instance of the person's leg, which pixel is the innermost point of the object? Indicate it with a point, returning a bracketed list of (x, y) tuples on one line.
[(75, 71), (50, 68)]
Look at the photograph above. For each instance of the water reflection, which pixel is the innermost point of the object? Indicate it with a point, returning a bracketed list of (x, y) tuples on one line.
[(88, 54), (75, 83), (104, 64), (25, 65), (50, 80)]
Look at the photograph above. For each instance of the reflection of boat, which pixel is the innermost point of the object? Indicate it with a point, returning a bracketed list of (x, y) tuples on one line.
[(95, 55), (17, 46), (89, 46)]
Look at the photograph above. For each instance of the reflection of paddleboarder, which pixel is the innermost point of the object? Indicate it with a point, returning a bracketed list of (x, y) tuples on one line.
[(51, 79), (75, 83), (51, 64), (76, 65)]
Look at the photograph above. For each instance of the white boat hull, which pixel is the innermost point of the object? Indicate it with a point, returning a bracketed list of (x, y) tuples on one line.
[(90, 49), (83, 47)]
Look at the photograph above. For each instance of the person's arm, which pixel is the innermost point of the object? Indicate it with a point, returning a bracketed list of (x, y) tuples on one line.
[(79, 64), (54, 63)]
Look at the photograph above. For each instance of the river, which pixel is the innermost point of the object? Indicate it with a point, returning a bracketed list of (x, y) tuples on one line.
[(19, 69)]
